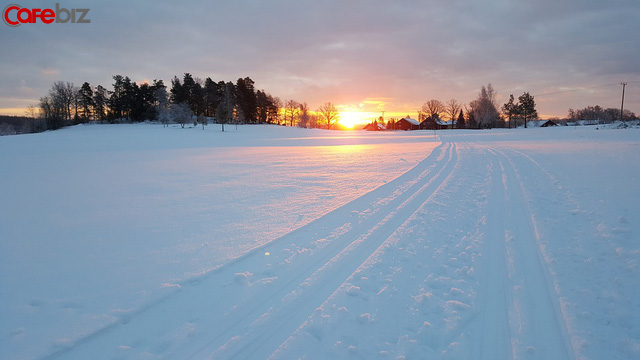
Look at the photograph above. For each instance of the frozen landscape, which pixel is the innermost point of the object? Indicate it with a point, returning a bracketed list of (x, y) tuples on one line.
[(144, 242)]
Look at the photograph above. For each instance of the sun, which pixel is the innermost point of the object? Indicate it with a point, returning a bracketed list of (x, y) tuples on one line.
[(351, 119)]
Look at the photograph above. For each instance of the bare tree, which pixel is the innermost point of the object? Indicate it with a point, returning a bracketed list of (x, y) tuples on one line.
[(45, 107), (328, 114), (485, 108), (452, 109), (432, 108), (62, 97), (56, 108), (31, 111), (291, 111)]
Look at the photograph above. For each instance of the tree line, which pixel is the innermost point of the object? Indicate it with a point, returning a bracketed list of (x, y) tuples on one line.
[(192, 100), (187, 99), (607, 115), (483, 112)]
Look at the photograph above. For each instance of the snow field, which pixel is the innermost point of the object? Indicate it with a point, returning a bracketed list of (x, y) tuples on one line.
[(103, 221), (482, 244)]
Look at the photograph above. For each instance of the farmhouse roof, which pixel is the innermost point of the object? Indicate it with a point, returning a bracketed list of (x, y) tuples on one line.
[(411, 121)]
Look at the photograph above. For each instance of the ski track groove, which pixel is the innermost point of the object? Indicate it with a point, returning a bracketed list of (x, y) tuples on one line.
[(496, 300), (272, 296), (303, 271), (349, 258), (520, 312), (536, 301)]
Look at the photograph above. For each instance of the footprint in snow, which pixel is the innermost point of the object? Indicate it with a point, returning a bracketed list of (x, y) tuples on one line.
[(364, 318), (353, 290), (242, 278)]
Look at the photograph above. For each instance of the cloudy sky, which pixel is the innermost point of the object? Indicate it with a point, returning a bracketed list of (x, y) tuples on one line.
[(371, 55)]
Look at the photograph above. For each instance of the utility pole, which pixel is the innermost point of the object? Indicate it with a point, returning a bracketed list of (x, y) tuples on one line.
[(624, 84)]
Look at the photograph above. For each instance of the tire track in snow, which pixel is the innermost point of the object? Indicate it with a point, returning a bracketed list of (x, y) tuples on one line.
[(251, 305), (537, 325)]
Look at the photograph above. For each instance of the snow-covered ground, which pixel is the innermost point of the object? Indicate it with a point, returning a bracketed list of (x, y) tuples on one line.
[(144, 242)]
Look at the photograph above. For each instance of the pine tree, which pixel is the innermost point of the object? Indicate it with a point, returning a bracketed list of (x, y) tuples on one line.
[(262, 107), (117, 97), (472, 123), (178, 92), (527, 107), (511, 108), (100, 101), (137, 102), (193, 93), (128, 97), (246, 98), (211, 97), (273, 104), (461, 123), (86, 101)]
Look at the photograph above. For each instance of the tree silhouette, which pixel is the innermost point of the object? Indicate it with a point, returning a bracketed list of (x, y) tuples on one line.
[(328, 114)]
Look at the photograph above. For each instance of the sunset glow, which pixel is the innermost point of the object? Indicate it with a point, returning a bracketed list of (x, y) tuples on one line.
[(351, 119), (359, 114)]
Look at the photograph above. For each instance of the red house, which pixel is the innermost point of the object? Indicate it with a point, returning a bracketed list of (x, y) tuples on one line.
[(435, 123), (407, 124)]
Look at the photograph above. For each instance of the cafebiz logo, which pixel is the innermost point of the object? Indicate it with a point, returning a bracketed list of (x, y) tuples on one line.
[(15, 15)]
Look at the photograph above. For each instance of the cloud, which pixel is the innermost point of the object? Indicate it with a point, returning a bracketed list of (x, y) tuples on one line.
[(50, 72), (342, 51)]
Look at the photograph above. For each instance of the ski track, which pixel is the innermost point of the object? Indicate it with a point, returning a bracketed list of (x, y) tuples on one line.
[(509, 307), (537, 324), (269, 296), (495, 296), (585, 231)]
